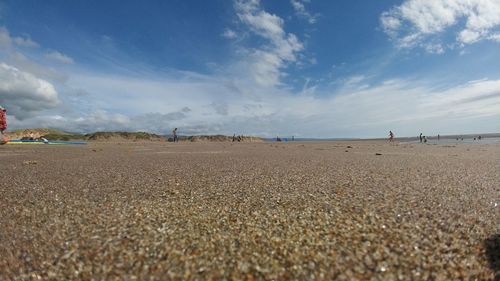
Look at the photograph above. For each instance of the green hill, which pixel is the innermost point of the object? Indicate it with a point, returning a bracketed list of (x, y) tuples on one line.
[(130, 136)]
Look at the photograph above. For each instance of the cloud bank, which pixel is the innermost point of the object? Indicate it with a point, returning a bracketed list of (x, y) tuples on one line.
[(302, 12), (24, 94), (282, 48), (59, 57), (419, 22), (7, 41), (404, 106)]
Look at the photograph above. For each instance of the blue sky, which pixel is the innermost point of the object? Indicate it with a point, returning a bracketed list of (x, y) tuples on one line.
[(298, 67)]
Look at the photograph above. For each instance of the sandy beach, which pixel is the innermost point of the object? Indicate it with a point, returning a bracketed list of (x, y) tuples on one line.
[(359, 210)]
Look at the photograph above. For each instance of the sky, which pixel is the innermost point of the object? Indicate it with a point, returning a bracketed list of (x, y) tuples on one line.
[(303, 68)]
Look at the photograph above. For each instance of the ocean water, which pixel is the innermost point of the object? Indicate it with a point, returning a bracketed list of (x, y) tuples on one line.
[(459, 141), (444, 140)]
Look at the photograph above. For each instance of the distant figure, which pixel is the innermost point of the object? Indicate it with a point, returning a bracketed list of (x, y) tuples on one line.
[(3, 124), (479, 137), (420, 138), (3, 119), (439, 137), (293, 138), (425, 139), (391, 136), (278, 138), (174, 134), (234, 137), (474, 138), (240, 138)]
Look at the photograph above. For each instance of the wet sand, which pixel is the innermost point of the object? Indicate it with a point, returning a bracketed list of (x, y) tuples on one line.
[(250, 211)]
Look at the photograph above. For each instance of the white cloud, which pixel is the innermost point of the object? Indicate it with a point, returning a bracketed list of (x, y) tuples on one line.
[(495, 37), (221, 108), (282, 48), (434, 48), (262, 23), (230, 34), (26, 64), (302, 12), (308, 90), (354, 80), (98, 120), (6, 40), (414, 22), (12, 54), (59, 57), (390, 23), (23, 94), (102, 120), (25, 42)]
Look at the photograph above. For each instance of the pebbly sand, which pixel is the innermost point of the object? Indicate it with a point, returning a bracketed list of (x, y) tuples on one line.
[(250, 211)]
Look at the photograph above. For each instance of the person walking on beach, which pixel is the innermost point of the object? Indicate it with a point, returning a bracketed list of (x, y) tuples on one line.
[(3, 119), (420, 137), (391, 136), (174, 134), (3, 124)]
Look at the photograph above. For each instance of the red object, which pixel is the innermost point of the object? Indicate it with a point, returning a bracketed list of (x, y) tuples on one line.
[(3, 120)]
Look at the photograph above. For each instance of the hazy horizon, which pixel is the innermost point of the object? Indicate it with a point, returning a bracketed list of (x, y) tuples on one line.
[(288, 137)]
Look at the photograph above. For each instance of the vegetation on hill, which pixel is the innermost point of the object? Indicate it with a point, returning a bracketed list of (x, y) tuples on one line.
[(37, 133), (221, 138), (64, 137), (133, 136), (52, 134)]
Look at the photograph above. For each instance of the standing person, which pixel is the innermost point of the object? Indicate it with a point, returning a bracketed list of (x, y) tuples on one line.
[(174, 133), (420, 137), (3, 119), (439, 137), (3, 123), (391, 136)]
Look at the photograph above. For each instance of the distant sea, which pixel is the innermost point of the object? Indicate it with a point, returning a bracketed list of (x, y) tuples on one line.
[(309, 139), (459, 141), (486, 139)]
